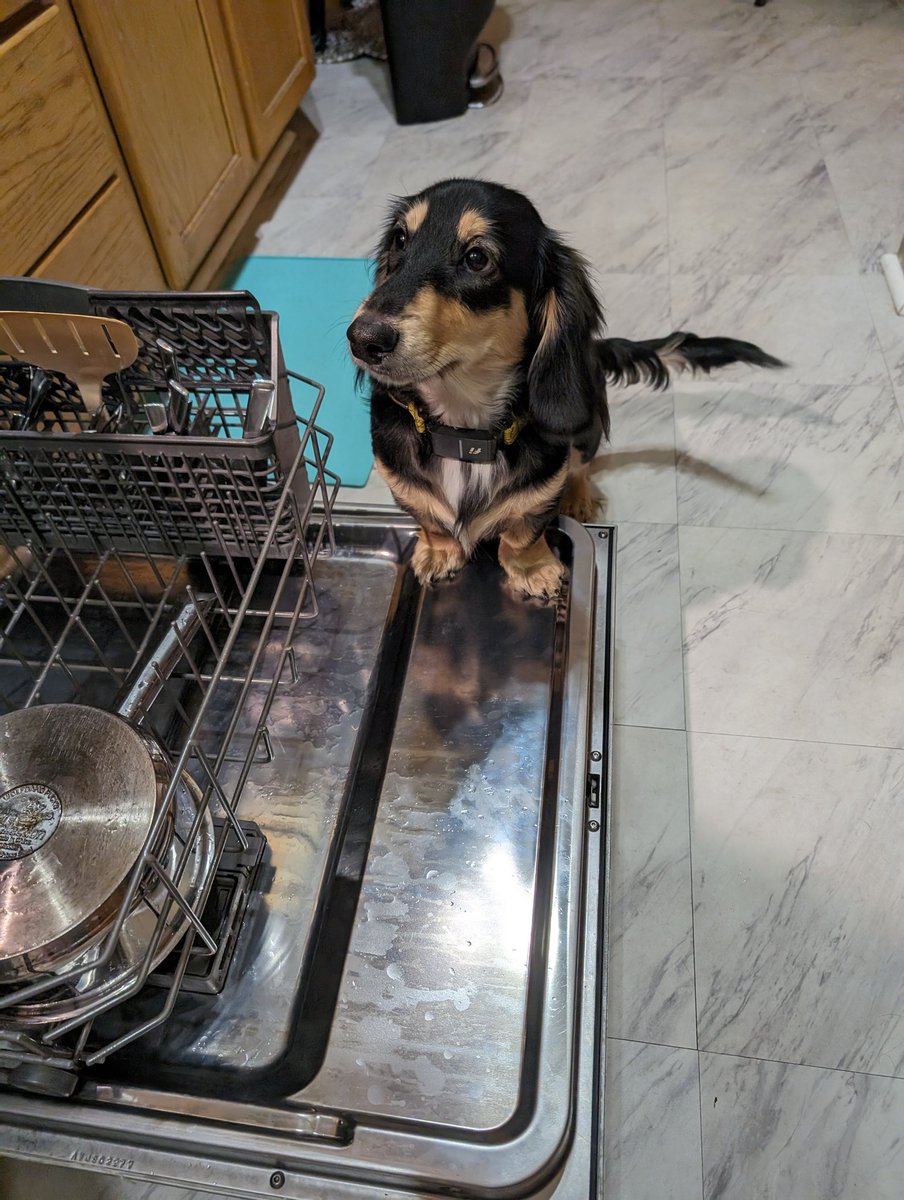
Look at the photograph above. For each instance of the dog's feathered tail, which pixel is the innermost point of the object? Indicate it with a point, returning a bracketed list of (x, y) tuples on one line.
[(653, 361)]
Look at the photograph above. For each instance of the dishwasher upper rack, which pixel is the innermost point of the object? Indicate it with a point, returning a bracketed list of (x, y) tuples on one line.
[(193, 637), (213, 486)]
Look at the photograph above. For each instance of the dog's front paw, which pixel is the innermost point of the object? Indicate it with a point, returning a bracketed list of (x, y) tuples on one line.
[(582, 500), (542, 581), (583, 508), (436, 559)]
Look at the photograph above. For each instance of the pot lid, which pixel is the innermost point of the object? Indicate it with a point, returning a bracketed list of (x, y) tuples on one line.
[(78, 793)]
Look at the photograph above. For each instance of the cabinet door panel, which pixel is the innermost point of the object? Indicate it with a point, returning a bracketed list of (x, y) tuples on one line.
[(54, 148), (108, 247), (274, 61), (166, 76)]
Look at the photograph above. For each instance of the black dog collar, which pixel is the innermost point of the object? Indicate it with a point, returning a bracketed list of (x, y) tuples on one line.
[(466, 445)]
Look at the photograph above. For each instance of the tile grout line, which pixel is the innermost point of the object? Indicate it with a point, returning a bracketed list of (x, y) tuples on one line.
[(636, 725), (779, 1062), (752, 529), (855, 250), (757, 737), (856, 255), (684, 696), (765, 737), (879, 343), (677, 527), (690, 853), (761, 737)]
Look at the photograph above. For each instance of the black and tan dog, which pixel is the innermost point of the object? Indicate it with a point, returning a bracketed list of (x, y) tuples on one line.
[(488, 363)]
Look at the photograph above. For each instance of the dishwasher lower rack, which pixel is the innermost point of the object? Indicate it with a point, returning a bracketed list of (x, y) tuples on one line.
[(173, 645), (416, 1006)]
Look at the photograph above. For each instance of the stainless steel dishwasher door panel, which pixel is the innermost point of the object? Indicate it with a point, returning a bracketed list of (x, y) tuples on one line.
[(433, 999)]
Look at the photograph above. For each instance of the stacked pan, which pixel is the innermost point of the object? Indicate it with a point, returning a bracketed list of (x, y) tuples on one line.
[(85, 849)]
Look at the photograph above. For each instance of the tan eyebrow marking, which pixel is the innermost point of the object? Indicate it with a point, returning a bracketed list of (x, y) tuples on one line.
[(416, 215), (472, 225)]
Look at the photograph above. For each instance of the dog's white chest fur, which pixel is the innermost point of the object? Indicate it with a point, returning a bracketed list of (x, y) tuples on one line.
[(468, 488), (461, 479), (453, 482)]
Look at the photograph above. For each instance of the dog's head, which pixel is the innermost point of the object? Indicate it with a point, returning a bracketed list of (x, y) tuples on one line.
[(473, 292)]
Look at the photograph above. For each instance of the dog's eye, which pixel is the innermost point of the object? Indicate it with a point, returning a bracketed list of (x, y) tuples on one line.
[(399, 239), (477, 260)]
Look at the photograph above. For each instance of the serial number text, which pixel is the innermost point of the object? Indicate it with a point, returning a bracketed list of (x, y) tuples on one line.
[(102, 1160)]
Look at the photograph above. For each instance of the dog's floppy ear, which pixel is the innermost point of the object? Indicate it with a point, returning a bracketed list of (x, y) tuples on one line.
[(565, 386)]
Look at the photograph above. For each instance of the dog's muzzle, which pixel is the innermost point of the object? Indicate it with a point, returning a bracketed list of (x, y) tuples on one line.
[(371, 339)]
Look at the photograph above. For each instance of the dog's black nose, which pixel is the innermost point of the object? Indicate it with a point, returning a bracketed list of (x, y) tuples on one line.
[(371, 339)]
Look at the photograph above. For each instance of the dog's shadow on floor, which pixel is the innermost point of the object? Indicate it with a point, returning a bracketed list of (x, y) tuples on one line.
[(605, 464), (767, 498)]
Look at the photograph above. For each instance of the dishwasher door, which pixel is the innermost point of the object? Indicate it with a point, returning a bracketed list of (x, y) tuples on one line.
[(415, 1005)]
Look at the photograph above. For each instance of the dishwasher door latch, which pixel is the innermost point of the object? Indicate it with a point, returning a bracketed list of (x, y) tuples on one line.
[(593, 790)]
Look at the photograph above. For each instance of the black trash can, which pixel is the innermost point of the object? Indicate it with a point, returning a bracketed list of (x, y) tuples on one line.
[(432, 46)]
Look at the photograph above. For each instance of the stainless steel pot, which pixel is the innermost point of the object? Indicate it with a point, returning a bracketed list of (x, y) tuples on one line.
[(109, 979), (79, 790)]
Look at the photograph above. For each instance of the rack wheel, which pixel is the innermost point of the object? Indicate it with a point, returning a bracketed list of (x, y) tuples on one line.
[(43, 1080)]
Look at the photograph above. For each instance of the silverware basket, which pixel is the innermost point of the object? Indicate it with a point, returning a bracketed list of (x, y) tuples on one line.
[(213, 485)]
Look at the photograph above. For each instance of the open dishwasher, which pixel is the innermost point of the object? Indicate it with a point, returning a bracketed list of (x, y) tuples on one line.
[(346, 937)]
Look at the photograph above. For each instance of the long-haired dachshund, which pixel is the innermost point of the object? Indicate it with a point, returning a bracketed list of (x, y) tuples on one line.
[(485, 347)]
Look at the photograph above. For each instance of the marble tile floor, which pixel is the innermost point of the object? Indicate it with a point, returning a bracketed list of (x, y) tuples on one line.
[(728, 169)]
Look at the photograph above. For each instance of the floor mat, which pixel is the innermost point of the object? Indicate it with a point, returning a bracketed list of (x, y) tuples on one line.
[(316, 299)]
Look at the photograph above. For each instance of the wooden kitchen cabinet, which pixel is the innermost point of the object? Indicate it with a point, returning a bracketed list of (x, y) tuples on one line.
[(148, 181), (166, 76), (274, 62), (108, 246), (57, 153)]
